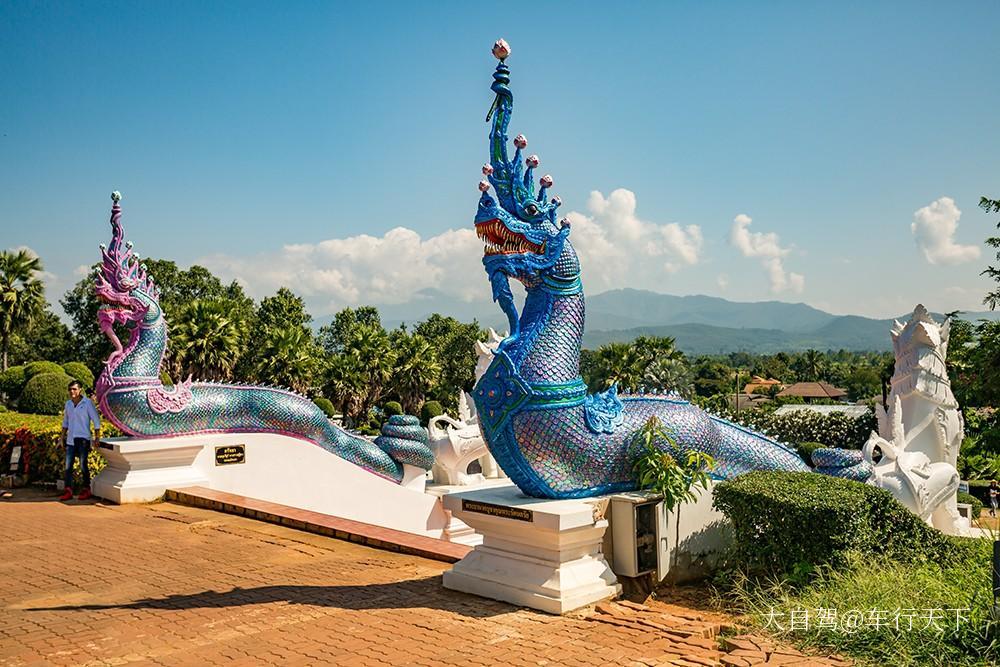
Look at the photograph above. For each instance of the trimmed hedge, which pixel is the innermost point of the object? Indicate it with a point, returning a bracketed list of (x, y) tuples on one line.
[(833, 430), (45, 394), (41, 439), (806, 449), (38, 367), (784, 521), (392, 408), (79, 371), (977, 505), (12, 381), (429, 411), (325, 405)]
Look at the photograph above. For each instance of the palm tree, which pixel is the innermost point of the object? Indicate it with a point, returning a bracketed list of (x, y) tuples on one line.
[(417, 370), (813, 361), (670, 375), (288, 357), (22, 294), (618, 362), (345, 383), (370, 347), (207, 340)]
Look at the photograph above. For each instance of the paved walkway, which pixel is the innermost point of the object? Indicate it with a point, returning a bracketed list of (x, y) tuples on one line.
[(95, 584)]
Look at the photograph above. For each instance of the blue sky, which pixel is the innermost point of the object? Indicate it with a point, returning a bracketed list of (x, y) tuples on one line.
[(336, 148)]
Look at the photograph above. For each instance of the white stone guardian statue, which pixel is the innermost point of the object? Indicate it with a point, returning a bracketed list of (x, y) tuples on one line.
[(459, 442), (922, 431)]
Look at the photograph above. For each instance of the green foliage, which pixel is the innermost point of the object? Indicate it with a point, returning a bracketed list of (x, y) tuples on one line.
[(784, 521), (977, 505), (45, 394), (992, 299), (45, 337), (416, 369), (288, 357), (832, 430), (429, 411), (41, 438), (78, 371), (22, 296), (656, 470), (325, 405), (979, 466), (37, 367), (207, 338), (392, 408), (12, 381), (863, 588), (637, 364), (806, 449), (453, 343)]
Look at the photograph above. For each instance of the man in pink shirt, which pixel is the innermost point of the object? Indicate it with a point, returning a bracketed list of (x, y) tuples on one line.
[(78, 416)]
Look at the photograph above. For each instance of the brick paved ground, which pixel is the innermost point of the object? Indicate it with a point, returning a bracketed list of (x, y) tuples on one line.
[(95, 584)]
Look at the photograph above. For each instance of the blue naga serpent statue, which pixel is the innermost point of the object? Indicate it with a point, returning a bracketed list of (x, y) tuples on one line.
[(131, 395), (548, 434)]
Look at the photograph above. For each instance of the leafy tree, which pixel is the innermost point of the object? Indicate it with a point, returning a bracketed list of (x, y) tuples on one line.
[(45, 338), (360, 372), (416, 371), (454, 344), (668, 374), (284, 309), (334, 337), (208, 339), (863, 382), (22, 295), (992, 300), (288, 357)]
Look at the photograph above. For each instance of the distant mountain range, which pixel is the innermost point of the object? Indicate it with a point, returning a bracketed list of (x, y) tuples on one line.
[(700, 324)]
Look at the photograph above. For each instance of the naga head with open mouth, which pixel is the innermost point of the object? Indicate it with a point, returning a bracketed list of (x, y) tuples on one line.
[(519, 229), (124, 289)]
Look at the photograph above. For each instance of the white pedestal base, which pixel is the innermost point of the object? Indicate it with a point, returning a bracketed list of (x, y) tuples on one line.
[(275, 468), (543, 554)]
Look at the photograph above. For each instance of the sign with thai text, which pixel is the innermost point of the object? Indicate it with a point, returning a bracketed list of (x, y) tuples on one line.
[(501, 511), (230, 454)]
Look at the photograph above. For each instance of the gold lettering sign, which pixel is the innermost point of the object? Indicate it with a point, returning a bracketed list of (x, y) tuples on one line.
[(501, 511), (230, 454)]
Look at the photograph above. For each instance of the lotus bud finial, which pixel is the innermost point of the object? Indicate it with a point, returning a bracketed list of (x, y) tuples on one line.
[(532, 161), (546, 181), (520, 141), (487, 169), (501, 49), (484, 186), (116, 196)]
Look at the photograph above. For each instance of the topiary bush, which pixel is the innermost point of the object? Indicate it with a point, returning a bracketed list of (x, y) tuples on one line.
[(38, 367), (45, 394), (977, 505), (806, 449), (429, 411), (392, 408), (12, 381), (785, 522), (79, 371), (325, 405)]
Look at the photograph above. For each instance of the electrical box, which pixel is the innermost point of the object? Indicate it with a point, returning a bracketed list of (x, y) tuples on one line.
[(638, 534)]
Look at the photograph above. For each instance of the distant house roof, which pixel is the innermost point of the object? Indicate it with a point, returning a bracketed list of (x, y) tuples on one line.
[(813, 390), (852, 411), (757, 382), (745, 401)]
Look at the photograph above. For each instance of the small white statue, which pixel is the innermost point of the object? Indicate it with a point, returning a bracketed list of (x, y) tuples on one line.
[(459, 442), (922, 432)]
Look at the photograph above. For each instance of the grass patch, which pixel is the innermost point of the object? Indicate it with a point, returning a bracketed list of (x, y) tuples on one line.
[(879, 611)]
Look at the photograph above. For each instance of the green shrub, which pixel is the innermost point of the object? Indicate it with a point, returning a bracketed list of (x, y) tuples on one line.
[(977, 505), (3, 408), (791, 522), (41, 438), (833, 430), (38, 367), (325, 405), (165, 379), (429, 411), (980, 488), (45, 394), (12, 381), (79, 371), (392, 408), (656, 470), (806, 449)]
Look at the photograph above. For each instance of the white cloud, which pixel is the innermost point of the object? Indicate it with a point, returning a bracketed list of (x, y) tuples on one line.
[(766, 246), (46, 277), (82, 271), (614, 244), (722, 280), (934, 229), (364, 269)]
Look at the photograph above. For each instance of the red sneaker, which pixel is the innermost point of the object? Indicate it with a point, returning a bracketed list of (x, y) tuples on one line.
[(85, 494), (67, 494)]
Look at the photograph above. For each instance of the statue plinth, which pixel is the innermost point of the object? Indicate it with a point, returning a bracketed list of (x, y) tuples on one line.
[(543, 554)]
